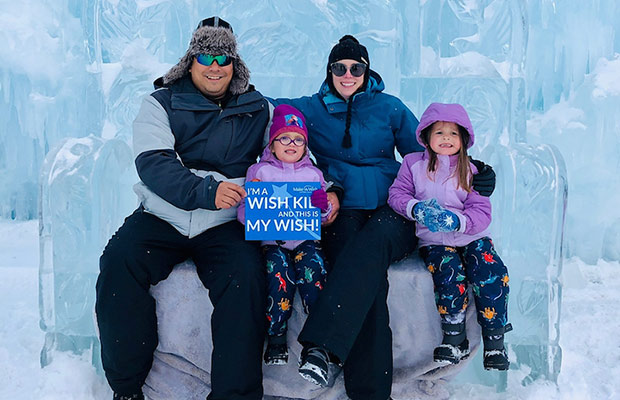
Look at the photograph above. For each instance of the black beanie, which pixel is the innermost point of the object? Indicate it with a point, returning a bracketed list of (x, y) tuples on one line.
[(348, 48)]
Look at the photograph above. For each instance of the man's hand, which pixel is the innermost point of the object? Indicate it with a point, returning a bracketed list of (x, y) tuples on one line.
[(228, 195), (333, 200)]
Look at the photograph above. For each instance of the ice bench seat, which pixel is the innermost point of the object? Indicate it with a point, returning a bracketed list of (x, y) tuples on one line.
[(182, 362)]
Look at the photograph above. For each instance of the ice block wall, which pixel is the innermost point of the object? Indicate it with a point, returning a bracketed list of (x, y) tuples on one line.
[(532, 82), (73, 69)]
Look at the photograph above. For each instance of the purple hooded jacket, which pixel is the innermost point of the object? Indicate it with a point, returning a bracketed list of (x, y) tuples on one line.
[(270, 169), (412, 185)]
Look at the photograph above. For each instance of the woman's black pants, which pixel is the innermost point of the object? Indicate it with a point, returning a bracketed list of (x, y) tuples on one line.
[(350, 318)]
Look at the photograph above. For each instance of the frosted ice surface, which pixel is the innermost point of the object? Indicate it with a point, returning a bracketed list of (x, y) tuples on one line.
[(85, 192), (503, 60)]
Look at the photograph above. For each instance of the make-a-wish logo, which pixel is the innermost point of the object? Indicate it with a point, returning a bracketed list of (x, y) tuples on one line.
[(304, 189)]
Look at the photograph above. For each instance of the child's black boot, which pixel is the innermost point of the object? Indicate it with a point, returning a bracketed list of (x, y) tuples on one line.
[(454, 346), (277, 350), (137, 396), (495, 355)]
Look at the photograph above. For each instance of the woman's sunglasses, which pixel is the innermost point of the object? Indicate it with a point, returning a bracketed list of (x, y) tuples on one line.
[(339, 69), (207, 59)]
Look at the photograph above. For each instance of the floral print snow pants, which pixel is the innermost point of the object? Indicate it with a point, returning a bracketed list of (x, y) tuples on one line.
[(302, 268), (477, 265)]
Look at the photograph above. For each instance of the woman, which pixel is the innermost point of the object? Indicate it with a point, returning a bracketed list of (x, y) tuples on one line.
[(355, 129)]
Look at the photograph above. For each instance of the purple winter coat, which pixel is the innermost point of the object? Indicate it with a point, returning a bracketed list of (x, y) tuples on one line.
[(270, 169), (412, 185)]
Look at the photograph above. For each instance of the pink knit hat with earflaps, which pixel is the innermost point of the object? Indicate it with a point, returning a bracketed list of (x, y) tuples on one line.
[(287, 119)]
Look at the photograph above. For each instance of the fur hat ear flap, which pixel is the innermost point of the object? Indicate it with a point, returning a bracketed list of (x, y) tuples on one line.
[(179, 70), (241, 77), (213, 36)]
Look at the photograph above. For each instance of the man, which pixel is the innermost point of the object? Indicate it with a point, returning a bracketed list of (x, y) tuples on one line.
[(194, 139)]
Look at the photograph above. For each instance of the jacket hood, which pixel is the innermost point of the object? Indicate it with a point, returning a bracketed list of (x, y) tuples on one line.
[(445, 112), (218, 41)]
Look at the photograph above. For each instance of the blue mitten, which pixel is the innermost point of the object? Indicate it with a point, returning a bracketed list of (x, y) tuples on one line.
[(425, 212), (447, 221), (436, 218)]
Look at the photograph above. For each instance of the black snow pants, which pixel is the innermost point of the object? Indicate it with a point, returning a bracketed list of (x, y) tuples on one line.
[(143, 252), (350, 318)]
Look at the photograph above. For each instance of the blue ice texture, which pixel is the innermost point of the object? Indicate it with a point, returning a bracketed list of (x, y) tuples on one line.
[(530, 73)]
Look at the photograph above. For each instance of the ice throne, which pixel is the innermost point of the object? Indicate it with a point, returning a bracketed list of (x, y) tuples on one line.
[(473, 55)]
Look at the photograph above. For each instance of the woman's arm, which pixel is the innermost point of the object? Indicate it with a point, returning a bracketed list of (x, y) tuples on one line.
[(404, 127)]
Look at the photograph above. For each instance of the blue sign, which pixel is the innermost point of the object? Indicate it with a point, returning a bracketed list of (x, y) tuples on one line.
[(281, 211)]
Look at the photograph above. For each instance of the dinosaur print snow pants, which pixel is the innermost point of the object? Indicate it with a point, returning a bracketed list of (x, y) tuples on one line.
[(478, 265), (302, 268)]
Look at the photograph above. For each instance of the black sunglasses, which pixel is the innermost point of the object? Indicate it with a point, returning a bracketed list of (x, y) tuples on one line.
[(339, 69)]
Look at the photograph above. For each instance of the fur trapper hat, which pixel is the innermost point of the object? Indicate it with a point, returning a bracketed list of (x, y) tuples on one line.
[(216, 40)]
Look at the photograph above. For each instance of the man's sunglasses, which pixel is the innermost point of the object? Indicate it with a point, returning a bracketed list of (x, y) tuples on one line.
[(207, 59), (339, 69)]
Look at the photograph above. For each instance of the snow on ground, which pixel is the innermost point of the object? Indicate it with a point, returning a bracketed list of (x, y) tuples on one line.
[(590, 335), (21, 339)]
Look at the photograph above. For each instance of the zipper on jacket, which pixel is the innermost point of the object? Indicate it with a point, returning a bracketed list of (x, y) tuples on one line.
[(190, 229), (230, 137)]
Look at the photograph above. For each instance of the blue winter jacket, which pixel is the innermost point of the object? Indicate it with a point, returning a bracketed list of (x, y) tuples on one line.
[(379, 123)]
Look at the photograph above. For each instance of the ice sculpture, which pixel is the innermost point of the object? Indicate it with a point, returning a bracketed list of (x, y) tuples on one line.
[(85, 193), (82, 72), (472, 52), (181, 368), (46, 95), (572, 77)]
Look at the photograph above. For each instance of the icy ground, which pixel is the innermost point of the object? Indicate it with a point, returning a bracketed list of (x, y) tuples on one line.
[(590, 335)]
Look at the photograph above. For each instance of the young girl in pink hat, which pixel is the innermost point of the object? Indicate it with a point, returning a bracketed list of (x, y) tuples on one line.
[(290, 264)]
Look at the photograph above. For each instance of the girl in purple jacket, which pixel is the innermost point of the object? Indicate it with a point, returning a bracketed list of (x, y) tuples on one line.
[(434, 189), (294, 263)]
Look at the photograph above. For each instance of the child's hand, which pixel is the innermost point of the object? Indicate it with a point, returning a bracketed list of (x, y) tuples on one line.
[(436, 218), (424, 212), (319, 199), (447, 221)]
